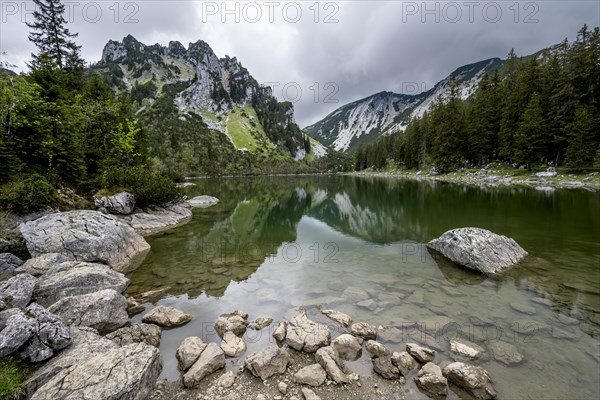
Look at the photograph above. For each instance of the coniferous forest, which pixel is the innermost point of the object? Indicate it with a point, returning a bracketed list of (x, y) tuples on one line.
[(535, 112)]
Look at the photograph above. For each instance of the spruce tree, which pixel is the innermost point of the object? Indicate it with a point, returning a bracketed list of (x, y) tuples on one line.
[(529, 138)]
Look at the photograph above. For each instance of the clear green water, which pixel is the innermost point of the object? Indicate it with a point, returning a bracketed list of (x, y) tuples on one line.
[(273, 244)]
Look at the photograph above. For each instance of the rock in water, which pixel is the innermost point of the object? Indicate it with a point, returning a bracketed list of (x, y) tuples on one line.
[(212, 359), (364, 330), (268, 362), (431, 380), (86, 236), (128, 372), (405, 362), (478, 249), (505, 352), (348, 347), (203, 201), (420, 353), (339, 317), (121, 203), (474, 380), (306, 335), (156, 219), (167, 317), (236, 322)]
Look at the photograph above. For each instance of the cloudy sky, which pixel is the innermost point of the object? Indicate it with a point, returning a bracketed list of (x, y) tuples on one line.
[(321, 55)]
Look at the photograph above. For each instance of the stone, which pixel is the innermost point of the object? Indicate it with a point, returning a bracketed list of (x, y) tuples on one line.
[(305, 335), (420, 353), (348, 347), (355, 294), (232, 345), (363, 330), (405, 362), (472, 379), (309, 394), (17, 291), (313, 375), (52, 335), (431, 380), (549, 173), (8, 264), (38, 266), (154, 220), (133, 307), (280, 332), (505, 352), (331, 363), (74, 278), (128, 372), (376, 349), (268, 362), (523, 308), (6, 314), (211, 360), (167, 317), (566, 320), (189, 351), (121, 203), (86, 236), (339, 317), (236, 322), (202, 201), (19, 329), (86, 344), (384, 367), (260, 323), (226, 380), (137, 333), (104, 310), (478, 249), (282, 387), (466, 349)]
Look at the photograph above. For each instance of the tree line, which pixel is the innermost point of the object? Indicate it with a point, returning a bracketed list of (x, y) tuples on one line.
[(536, 111)]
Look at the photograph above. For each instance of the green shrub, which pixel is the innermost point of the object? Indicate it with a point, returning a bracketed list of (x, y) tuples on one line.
[(34, 193), (12, 377), (149, 187)]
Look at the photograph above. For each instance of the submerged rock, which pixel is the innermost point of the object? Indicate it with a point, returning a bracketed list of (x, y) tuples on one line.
[(474, 380), (268, 362), (86, 236), (167, 317), (505, 352), (479, 249)]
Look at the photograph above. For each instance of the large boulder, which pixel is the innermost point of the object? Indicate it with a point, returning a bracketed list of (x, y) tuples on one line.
[(38, 266), (105, 310), (431, 380), (121, 203), (124, 373), (472, 379), (137, 333), (167, 317), (86, 344), (74, 278), (86, 236), (212, 359), (17, 291), (8, 264), (478, 249), (203, 201), (154, 220), (268, 362), (306, 335)]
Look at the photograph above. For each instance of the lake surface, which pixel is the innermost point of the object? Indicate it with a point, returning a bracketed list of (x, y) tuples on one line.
[(277, 243)]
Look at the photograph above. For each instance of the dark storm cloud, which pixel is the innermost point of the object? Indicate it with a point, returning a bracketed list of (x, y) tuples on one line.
[(339, 51)]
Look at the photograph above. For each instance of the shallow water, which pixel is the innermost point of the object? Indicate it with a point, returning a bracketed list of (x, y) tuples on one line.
[(275, 244)]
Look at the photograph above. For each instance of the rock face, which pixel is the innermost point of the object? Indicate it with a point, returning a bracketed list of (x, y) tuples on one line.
[(121, 203), (212, 359), (474, 380), (313, 375), (339, 317), (306, 335), (431, 380), (152, 221), (189, 351), (330, 361), (105, 310), (38, 266), (268, 362), (505, 352), (8, 264), (203, 201), (420, 353), (232, 345), (364, 330), (167, 317), (236, 322), (128, 372), (348, 347), (479, 249), (405, 362), (17, 291), (76, 278), (137, 333), (86, 236)]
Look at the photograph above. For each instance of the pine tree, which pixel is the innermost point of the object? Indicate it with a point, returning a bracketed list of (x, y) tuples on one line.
[(529, 138), (511, 107), (52, 38), (582, 137)]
